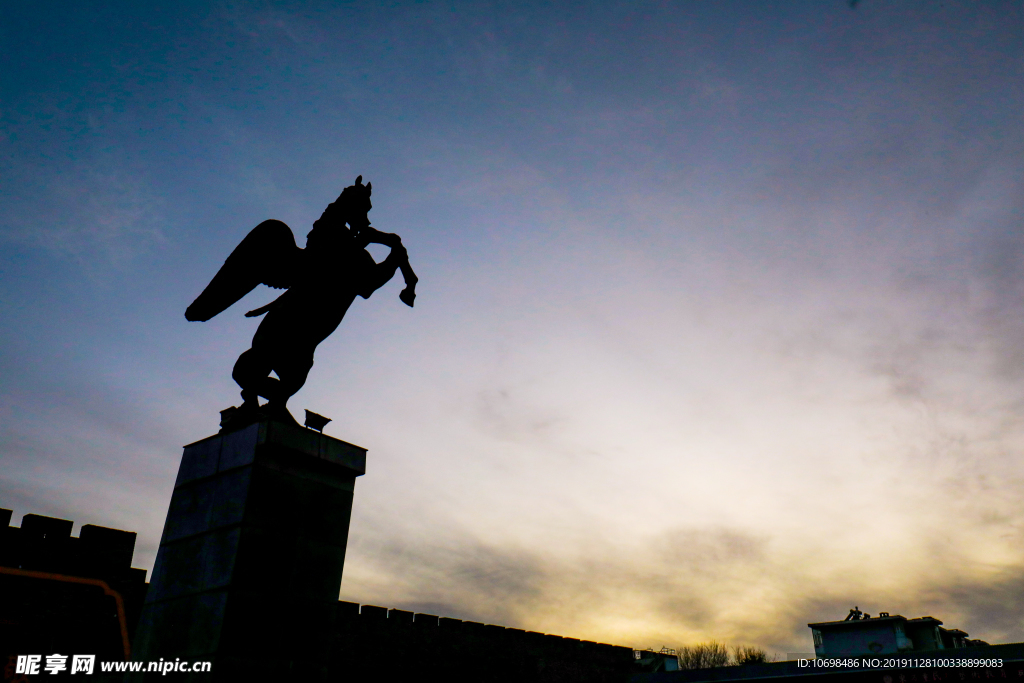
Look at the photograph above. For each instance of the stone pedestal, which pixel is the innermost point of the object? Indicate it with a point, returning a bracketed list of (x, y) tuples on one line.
[(250, 561)]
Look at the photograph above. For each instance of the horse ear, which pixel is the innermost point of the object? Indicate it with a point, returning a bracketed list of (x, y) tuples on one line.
[(359, 180), (369, 189)]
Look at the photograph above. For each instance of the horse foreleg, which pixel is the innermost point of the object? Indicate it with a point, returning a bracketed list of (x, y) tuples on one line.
[(394, 242), (408, 295)]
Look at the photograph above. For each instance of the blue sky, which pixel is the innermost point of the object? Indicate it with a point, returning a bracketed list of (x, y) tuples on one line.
[(718, 329)]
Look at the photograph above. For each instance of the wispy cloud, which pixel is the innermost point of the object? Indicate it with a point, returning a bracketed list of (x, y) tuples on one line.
[(88, 213)]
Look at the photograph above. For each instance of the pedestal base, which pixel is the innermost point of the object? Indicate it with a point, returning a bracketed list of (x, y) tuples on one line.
[(249, 567)]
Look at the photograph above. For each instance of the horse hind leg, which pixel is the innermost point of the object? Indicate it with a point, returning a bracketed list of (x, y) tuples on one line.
[(293, 373), (251, 373)]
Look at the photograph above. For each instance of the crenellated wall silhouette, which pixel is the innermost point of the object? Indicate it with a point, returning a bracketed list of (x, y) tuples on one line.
[(47, 610), (371, 640), (64, 593)]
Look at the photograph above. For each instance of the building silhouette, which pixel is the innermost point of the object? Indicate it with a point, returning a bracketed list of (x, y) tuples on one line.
[(885, 634)]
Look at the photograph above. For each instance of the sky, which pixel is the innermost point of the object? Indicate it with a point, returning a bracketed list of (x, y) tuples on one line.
[(720, 326)]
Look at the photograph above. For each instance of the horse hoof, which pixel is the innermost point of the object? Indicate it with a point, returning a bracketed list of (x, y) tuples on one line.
[(234, 418)]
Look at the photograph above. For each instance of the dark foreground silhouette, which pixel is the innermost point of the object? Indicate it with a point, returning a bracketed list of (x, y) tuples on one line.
[(321, 280)]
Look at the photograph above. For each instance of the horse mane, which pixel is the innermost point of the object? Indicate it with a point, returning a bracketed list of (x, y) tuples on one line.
[(353, 200)]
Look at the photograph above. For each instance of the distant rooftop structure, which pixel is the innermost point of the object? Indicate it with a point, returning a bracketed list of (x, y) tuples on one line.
[(861, 634), (648, 660)]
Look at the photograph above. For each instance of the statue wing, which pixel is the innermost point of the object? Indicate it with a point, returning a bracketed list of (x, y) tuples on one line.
[(268, 255)]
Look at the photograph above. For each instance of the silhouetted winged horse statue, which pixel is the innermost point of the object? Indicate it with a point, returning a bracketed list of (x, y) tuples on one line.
[(321, 280)]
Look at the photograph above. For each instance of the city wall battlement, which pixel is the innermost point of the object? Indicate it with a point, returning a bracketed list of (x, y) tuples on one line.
[(46, 544), (367, 635), (65, 593), (363, 637), (247, 578)]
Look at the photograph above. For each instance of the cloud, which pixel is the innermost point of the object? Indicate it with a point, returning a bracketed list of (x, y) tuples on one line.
[(505, 418), (451, 572), (992, 609), (88, 213), (667, 588)]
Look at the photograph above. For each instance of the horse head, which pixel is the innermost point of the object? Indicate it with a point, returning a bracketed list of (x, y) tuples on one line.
[(351, 207), (355, 205)]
